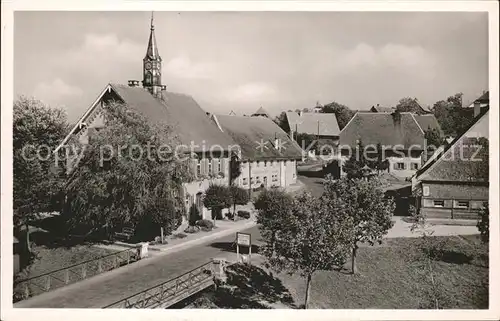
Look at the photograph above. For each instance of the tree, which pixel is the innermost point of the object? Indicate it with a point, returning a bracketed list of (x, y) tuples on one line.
[(37, 183), (234, 168), (282, 121), (483, 224), (433, 137), (409, 104), (380, 163), (355, 165), (362, 208), (127, 176), (217, 197), (239, 196), (452, 117), (342, 112), (306, 141), (300, 235)]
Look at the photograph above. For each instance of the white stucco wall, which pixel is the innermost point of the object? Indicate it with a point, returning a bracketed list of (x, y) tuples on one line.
[(278, 173)]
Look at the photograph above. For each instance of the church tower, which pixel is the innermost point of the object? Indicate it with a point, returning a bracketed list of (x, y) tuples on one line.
[(152, 66)]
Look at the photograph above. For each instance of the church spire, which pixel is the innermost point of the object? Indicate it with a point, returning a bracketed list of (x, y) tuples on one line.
[(152, 65), (152, 52)]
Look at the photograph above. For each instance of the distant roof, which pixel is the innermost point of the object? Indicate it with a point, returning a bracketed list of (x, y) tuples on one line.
[(484, 98), (313, 123), (380, 109), (455, 162), (260, 112), (256, 137), (428, 121), (373, 128), (188, 120)]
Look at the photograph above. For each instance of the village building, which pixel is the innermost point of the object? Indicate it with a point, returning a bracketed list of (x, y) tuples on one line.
[(454, 183), (268, 155), (401, 136), (380, 109), (197, 135), (483, 100), (323, 126), (261, 112)]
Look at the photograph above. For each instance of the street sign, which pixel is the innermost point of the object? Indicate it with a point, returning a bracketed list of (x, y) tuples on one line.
[(243, 239)]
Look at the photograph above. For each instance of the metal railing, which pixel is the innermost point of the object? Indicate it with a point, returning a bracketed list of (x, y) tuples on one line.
[(71, 274), (169, 292)]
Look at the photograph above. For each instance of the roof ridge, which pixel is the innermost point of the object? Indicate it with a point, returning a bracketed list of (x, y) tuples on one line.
[(416, 122)]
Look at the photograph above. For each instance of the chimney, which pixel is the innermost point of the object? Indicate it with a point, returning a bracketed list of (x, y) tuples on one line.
[(396, 117), (477, 108), (300, 113)]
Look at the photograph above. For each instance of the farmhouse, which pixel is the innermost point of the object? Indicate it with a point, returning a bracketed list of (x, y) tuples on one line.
[(455, 182), (268, 156), (195, 131), (401, 135)]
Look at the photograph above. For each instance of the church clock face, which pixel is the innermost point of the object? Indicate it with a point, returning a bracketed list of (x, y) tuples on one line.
[(148, 65)]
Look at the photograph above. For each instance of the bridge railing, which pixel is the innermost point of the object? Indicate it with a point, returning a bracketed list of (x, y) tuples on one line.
[(58, 278), (170, 291)]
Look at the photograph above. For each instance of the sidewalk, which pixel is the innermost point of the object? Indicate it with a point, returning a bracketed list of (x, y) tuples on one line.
[(402, 229)]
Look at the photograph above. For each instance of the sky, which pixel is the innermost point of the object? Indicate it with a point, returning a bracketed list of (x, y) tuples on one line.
[(243, 60)]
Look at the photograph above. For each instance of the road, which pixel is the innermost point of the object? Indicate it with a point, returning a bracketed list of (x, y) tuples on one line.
[(112, 286)]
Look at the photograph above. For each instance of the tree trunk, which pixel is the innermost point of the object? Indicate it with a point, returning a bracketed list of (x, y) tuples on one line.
[(308, 283), (28, 243), (354, 268), (234, 212)]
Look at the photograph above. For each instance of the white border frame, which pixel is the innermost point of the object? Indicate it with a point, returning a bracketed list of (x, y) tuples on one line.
[(8, 313)]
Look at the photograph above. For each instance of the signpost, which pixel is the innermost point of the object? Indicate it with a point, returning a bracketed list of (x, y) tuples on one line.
[(243, 239)]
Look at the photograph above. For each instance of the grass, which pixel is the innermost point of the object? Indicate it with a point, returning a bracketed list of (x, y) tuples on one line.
[(390, 277)]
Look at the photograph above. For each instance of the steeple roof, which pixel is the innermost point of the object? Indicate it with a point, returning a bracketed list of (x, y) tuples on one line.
[(152, 52)]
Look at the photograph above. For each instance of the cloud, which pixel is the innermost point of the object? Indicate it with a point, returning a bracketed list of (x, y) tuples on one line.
[(55, 91), (252, 92), (183, 67)]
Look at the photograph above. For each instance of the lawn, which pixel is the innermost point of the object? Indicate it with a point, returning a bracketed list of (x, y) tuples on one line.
[(390, 277)]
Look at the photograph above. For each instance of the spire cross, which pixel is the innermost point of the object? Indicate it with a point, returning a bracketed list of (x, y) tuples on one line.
[(152, 17)]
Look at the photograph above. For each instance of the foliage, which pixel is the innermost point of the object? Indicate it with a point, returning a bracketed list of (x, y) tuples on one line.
[(234, 168), (362, 208), (37, 182), (306, 141), (239, 196), (342, 112), (125, 177), (483, 224), (192, 229), (409, 104), (282, 121), (244, 214), (380, 163), (194, 214), (301, 234), (452, 118), (216, 198), (434, 138), (354, 166), (205, 223)]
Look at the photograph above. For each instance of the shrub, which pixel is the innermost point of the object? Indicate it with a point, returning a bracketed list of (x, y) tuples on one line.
[(192, 229), (179, 236), (206, 229), (230, 216), (216, 198), (244, 214), (205, 223), (194, 214), (483, 224)]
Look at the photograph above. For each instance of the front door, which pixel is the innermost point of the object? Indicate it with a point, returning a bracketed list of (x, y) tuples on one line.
[(265, 181)]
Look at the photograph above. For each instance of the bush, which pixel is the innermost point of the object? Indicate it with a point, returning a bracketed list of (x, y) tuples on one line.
[(192, 229), (206, 229), (205, 223), (194, 214), (229, 216), (179, 236), (244, 214), (483, 224)]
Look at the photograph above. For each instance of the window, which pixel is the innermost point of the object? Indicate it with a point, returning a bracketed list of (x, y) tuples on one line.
[(399, 166), (198, 168), (438, 203), (414, 166), (265, 163), (188, 198), (219, 166), (209, 166), (245, 181), (426, 191), (462, 204), (258, 163)]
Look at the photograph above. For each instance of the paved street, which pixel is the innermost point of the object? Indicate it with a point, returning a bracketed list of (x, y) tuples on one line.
[(109, 287)]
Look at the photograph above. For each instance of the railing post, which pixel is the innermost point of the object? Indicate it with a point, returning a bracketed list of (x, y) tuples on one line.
[(84, 271), (66, 277), (47, 284)]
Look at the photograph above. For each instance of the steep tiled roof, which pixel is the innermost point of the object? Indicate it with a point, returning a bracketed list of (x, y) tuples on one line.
[(428, 121), (373, 128), (179, 111), (462, 160), (252, 133), (310, 123), (261, 112)]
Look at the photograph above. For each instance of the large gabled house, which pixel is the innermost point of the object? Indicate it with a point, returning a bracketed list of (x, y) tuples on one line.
[(209, 148), (454, 183), (400, 134), (268, 155)]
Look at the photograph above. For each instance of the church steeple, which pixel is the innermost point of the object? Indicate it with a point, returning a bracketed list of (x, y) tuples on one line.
[(152, 65)]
